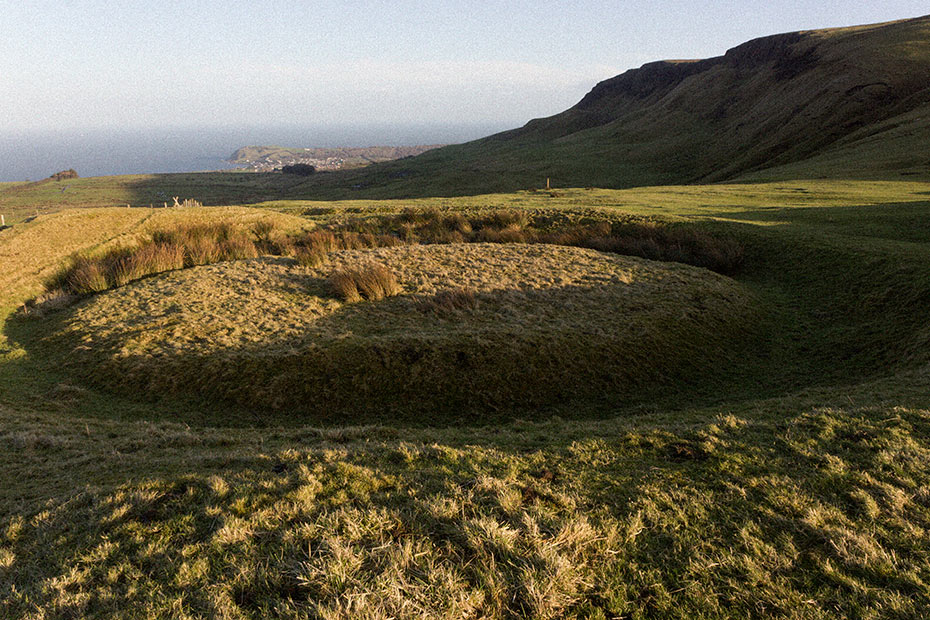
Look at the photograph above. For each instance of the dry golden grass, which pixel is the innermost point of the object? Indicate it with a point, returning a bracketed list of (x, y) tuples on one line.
[(185, 245), (309, 256), (449, 301), (369, 282), (545, 322), (209, 241), (31, 253)]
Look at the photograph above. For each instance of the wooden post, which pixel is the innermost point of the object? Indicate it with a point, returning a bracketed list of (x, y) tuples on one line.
[(547, 182), (2, 221)]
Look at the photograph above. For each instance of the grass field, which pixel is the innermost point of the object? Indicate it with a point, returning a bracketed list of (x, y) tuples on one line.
[(792, 483), (19, 201)]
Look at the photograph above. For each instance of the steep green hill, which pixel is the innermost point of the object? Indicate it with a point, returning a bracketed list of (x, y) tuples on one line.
[(855, 101)]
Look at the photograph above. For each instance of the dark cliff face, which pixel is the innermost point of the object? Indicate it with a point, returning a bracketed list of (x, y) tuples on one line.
[(783, 54), (768, 101), (784, 51), (650, 80)]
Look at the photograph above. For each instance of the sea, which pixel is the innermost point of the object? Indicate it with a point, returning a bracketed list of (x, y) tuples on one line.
[(34, 155)]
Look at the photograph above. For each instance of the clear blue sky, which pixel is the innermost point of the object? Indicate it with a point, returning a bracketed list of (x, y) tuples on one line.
[(85, 64)]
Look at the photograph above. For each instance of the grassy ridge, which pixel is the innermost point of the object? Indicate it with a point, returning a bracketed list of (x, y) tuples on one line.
[(552, 325), (810, 503), (193, 244)]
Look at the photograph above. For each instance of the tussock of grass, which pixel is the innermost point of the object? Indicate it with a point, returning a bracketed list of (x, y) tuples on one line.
[(309, 256), (368, 282), (211, 242), (312, 249), (237, 248), (165, 250), (87, 275), (449, 302), (262, 231), (656, 240)]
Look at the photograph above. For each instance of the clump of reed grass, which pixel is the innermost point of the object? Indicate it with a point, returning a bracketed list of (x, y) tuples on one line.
[(262, 230), (677, 242), (238, 248), (312, 249), (503, 218), (166, 250), (669, 242), (310, 256), (201, 244), (433, 226), (156, 258), (201, 251), (87, 276), (369, 282), (449, 302), (270, 241)]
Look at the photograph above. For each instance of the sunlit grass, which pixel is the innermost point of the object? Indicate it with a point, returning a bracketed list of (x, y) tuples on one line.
[(800, 492)]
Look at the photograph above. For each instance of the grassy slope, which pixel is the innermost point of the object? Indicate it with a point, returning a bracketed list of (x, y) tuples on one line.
[(809, 504), (891, 149), (841, 104), (846, 103)]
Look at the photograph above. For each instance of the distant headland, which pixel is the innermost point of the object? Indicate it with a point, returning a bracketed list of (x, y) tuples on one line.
[(267, 158)]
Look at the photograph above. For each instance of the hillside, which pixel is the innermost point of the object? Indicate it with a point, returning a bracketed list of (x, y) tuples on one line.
[(842, 97)]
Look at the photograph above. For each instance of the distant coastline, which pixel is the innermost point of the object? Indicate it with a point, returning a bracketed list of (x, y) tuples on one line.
[(269, 158), (34, 155)]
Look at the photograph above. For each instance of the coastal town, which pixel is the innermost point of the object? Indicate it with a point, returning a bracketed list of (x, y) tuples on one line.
[(271, 158)]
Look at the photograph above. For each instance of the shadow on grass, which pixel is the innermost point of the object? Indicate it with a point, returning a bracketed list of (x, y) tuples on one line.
[(851, 298), (908, 221), (211, 188), (601, 521), (155, 190)]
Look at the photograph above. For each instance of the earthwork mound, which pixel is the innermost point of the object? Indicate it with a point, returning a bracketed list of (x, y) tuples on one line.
[(476, 327)]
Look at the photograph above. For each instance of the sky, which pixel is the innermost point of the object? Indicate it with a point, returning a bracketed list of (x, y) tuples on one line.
[(130, 64)]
